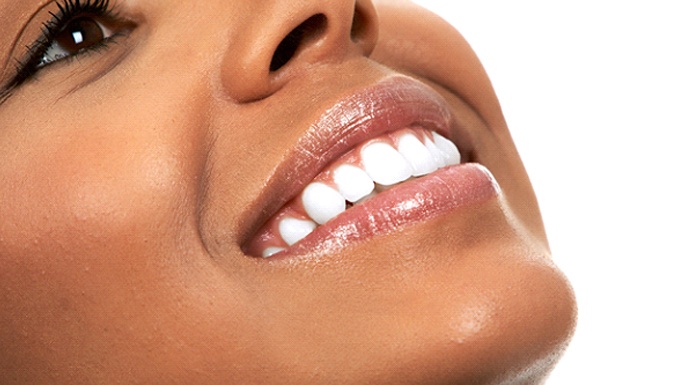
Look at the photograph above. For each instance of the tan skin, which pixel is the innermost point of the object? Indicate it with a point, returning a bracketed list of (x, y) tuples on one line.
[(133, 176)]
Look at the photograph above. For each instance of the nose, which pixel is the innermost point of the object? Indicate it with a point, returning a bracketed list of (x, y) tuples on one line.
[(285, 38)]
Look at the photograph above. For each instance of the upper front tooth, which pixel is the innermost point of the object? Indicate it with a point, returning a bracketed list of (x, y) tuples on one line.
[(439, 157), (353, 182), (416, 154), (292, 229), (322, 202), (384, 164), (447, 147)]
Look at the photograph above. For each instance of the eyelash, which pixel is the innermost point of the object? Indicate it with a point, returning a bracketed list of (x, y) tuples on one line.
[(68, 11)]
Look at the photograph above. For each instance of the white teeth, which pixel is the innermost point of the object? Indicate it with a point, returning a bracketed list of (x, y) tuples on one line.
[(353, 182), (384, 164), (447, 147), (322, 202), (381, 167), (439, 157), (292, 230), (416, 154), (270, 251)]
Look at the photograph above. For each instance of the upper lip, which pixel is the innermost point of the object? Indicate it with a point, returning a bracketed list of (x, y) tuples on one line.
[(390, 104)]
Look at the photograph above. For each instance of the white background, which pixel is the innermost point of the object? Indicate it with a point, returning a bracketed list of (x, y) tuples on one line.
[(593, 92)]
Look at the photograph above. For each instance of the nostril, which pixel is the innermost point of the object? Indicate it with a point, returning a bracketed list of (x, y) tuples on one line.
[(359, 25), (309, 30)]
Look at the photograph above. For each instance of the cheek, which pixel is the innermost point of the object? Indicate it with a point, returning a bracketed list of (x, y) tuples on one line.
[(101, 185), (82, 197), (91, 218)]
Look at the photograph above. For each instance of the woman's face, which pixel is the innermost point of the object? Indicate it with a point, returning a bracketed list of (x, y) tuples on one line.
[(149, 157)]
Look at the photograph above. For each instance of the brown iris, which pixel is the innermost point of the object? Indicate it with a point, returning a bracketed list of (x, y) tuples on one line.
[(80, 33)]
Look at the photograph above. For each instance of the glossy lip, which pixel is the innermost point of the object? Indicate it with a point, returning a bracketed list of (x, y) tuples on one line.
[(410, 202), (391, 104)]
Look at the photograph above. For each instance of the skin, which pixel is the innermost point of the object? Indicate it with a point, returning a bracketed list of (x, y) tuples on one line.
[(127, 175)]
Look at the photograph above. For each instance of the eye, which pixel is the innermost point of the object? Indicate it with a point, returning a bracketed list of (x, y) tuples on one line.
[(78, 35), (74, 28)]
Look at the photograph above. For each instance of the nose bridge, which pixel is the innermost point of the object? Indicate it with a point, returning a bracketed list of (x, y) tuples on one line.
[(284, 37)]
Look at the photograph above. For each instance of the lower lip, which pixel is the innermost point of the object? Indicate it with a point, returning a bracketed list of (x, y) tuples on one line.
[(415, 201)]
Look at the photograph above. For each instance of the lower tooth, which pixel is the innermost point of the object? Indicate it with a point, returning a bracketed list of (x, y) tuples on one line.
[(380, 188), (270, 251), (293, 230)]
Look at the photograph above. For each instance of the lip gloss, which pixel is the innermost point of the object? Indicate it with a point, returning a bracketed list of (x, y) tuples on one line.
[(442, 192)]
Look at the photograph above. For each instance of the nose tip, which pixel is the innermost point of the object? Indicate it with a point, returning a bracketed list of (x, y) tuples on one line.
[(293, 39)]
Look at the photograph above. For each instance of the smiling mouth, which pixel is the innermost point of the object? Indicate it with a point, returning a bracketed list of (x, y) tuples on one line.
[(377, 160), (373, 167)]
